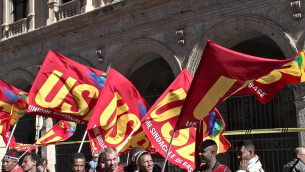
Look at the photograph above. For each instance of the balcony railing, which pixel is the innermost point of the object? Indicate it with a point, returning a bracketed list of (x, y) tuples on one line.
[(69, 9), (17, 27)]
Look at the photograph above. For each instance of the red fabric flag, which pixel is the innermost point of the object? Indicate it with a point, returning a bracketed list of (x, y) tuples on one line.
[(93, 147), (160, 120), (119, 112), (221, 73), (61, 131), (266, 87), (12, 105), (65, 89)]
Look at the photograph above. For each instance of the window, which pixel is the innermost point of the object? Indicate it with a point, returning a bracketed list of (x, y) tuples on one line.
[(65, 1), (20, 9)]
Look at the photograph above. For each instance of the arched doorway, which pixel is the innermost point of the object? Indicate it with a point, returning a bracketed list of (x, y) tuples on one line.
[(152, 75), (246, 113)]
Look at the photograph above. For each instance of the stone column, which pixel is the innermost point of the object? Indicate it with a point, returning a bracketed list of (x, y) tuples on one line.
[(51, 5), (89, 6), (299, 97), (31, 15), (49, 151), (5, 15)]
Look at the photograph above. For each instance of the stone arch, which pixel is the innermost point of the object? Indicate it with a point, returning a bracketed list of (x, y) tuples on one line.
[(80, 60), (137, 49), (224, 32), (12, 77)]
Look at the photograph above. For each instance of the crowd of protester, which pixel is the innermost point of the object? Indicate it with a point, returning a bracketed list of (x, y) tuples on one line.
[(141, 161)]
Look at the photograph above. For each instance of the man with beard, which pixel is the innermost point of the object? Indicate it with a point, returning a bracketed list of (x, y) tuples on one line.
[(10, 161), (30, 162), (207, 154), (111, 160)]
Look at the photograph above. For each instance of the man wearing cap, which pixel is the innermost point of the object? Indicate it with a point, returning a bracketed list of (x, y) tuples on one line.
[(10, 161), (145, 163), (30, 162), (132, 167)]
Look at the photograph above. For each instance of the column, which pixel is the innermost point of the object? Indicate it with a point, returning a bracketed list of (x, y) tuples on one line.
[(51, 5), (299, 96), (49, 151), (31, 15), (89, 6), (4, 25)]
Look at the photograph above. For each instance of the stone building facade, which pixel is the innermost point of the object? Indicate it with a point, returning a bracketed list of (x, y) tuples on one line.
[(150, 42)]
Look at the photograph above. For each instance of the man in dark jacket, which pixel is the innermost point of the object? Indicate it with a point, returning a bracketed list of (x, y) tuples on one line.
[(297, 164)]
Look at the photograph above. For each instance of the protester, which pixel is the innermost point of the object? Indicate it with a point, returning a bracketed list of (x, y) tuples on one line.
[(78, 162), (93, 163), (30, 162), (43, 165), (298, 163), (111, 160), (132, 167), (87, 167), (145, 163), (100, 162), (10, 161), (247, 158), (207, 154)]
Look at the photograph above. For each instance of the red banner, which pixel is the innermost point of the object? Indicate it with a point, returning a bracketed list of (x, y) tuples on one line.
[(65, 89), (161, 119), (119, 113), (221, 73), (266, 87)]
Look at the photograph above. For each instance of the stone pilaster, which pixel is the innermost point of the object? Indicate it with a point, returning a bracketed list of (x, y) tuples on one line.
[(51, 6), (31, 15), (49, 151), (299, 97), (89, 6)]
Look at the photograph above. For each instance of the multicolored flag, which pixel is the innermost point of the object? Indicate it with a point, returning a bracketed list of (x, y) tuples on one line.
[(266, 87), (65, 89), (220, 74), (13, 105), (160, 120), (61, 131), (119, 114)]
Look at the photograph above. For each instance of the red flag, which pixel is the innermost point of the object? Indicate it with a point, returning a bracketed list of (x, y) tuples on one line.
[(266, 87), (221, 73), (119, 112), (12, 105), (93, 147), (161, 119), (65, 89), (61, 131)]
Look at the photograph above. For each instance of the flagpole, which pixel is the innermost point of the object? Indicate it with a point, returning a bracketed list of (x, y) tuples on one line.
[(25, 152), (9, 140), (169, 147), (81, 145), (124, 143)]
